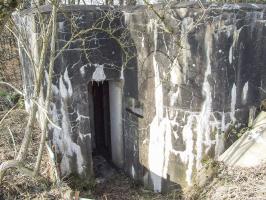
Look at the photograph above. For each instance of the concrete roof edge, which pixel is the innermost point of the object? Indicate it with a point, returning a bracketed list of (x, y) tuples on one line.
[(131, 9)]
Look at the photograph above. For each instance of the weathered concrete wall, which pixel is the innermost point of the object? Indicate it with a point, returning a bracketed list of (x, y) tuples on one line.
[(194, 84), (90, 56), (189, 79)]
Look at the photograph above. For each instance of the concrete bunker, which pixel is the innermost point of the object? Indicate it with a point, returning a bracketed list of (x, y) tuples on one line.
[(169, 106)]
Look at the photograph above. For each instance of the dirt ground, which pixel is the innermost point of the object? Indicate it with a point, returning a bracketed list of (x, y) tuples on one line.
[(16, 185), (226, 183), (233, 183), (239, 183)]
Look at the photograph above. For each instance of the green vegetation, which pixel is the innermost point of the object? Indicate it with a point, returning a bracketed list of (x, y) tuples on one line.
[(9, 99)]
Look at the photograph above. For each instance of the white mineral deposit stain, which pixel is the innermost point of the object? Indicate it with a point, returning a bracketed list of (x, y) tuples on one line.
[(233, 103), (98, 74), (244, 93)]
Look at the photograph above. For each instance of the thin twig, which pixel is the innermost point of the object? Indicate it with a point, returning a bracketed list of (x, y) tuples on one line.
[(53, 161), (46, 115), (7, 113), (49, 90), (13, 140), (13, 87)]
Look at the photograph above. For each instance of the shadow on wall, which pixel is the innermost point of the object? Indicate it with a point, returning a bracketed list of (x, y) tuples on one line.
[(165, 183)]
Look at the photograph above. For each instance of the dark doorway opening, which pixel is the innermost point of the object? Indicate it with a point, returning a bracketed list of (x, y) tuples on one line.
[(99, 97)]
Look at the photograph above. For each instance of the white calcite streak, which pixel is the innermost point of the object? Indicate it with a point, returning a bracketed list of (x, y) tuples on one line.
[(233, 103), (223, 125), (244, 93), (68, 83), (160, 129), (126, 17), (70, 147), (235, 41), (188, 156), (160, 141), (62, 88), (122, 77), (175, 73), (133, 171), (219, 146), (62, 138), (98, 74), (203, 126), (82, 70), (230, 57), (156, 142), (65, 85), (143, 41), (186, 54)]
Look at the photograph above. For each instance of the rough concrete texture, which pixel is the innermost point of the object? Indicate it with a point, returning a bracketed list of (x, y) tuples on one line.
[(89, 57), (204, 78), (186, 81), (248, 150)]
